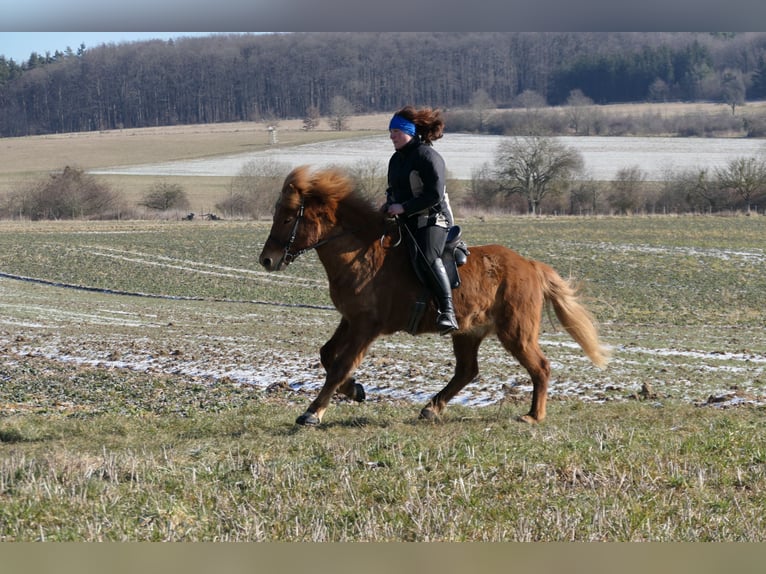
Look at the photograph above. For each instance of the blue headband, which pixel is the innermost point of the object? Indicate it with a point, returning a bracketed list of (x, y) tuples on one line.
[(402, 124)]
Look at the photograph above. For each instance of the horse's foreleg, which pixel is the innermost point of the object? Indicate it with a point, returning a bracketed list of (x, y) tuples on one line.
[(466, 349), (350, 350), (329, 350), (327, 356)]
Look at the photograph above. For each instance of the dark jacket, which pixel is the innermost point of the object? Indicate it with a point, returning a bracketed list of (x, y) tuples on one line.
[(417, 180)]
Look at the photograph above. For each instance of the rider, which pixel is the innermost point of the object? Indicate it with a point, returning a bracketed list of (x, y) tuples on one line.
[(417, 193)]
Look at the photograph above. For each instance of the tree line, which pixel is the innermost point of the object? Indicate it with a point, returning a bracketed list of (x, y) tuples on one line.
[(259, 77)]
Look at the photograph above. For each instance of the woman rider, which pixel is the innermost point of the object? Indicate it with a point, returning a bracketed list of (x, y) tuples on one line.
[(417, 194)]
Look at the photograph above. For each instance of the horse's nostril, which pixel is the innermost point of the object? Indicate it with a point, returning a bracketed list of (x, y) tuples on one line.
[(266, 262)]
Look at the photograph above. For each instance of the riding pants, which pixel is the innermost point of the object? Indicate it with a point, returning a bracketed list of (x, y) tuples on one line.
[(428, 246)]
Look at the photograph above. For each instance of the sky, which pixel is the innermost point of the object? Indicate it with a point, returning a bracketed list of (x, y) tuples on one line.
[(18, 46), (47, 16)]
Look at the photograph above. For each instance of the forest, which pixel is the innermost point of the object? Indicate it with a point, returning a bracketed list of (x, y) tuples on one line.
[(259, 77)]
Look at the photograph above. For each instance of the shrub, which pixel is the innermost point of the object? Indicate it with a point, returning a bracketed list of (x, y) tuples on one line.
[(369, 177), (69, 194), (755, 126), (164, 196), (464, 121), (626, 193), (253, 191)]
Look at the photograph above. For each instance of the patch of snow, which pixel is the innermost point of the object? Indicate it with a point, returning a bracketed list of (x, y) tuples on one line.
[(463, 153)]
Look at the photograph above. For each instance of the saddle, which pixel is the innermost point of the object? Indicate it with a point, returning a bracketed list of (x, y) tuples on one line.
[(455, 255)]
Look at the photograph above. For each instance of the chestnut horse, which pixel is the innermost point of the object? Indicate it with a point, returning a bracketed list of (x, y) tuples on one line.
[(373, 286)]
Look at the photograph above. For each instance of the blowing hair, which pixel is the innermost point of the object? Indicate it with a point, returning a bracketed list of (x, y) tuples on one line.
[(429, 122)]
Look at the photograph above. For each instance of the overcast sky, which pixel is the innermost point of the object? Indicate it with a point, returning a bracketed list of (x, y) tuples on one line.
[(20, 45)]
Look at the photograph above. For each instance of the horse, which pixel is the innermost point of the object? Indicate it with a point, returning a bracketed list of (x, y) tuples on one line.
[(374, 287)]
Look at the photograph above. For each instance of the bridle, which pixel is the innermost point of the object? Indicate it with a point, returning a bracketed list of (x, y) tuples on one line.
[(287, 256)]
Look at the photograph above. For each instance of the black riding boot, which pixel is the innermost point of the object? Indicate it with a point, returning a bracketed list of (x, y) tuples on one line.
[(445, 320)]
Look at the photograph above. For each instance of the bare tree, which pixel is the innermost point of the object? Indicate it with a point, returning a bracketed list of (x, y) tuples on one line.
[(733, 89), (311, 120), (251, 191), (676, 195), (745, 177), (584, 196), (626, 190), (535, 166), (533, 103), (702, 191), (369, 178), (481, 104), (340, 112), (483, 190), (659, 91), (578, 106)]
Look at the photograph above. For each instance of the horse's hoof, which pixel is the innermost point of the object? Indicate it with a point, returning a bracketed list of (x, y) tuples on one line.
[(308, 419), (530, 420), (359, 394), (428, 414)]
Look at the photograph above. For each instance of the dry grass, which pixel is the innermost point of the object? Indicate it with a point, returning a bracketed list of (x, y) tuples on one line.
[(114, 425), (91, 150), (670, 109), (243, 473), (28, 158), (92, 450)]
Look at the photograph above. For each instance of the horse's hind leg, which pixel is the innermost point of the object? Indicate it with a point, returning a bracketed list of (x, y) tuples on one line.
[(466, 349), (353, 390), (529, 354)]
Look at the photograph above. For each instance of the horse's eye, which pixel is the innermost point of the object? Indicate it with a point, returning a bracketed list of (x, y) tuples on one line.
[(288, 220)]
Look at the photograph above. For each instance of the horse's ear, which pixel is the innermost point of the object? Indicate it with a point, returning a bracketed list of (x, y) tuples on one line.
[(291, 195), (295, 190), (296, 181)]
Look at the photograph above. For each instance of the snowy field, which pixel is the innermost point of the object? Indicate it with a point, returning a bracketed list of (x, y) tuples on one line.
[(464, 153)]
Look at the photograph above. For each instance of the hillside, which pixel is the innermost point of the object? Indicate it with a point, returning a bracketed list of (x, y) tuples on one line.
[(270, 77)]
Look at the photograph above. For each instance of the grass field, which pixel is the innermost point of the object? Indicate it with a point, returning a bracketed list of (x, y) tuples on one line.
[(129, 417), (150, 375)]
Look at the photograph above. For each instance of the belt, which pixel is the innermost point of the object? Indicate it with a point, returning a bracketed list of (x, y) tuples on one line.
[(437, 219)]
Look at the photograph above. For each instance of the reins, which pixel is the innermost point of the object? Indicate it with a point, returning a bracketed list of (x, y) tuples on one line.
[(399, 229)]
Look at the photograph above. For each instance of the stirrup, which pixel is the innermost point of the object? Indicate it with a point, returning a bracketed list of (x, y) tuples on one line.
[(446, 323)]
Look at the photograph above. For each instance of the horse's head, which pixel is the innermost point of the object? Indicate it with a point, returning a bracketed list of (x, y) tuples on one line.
[(304, 213), (287, 235)]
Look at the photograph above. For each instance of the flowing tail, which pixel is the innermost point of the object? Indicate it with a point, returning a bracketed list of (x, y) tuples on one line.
[(573, 316)]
